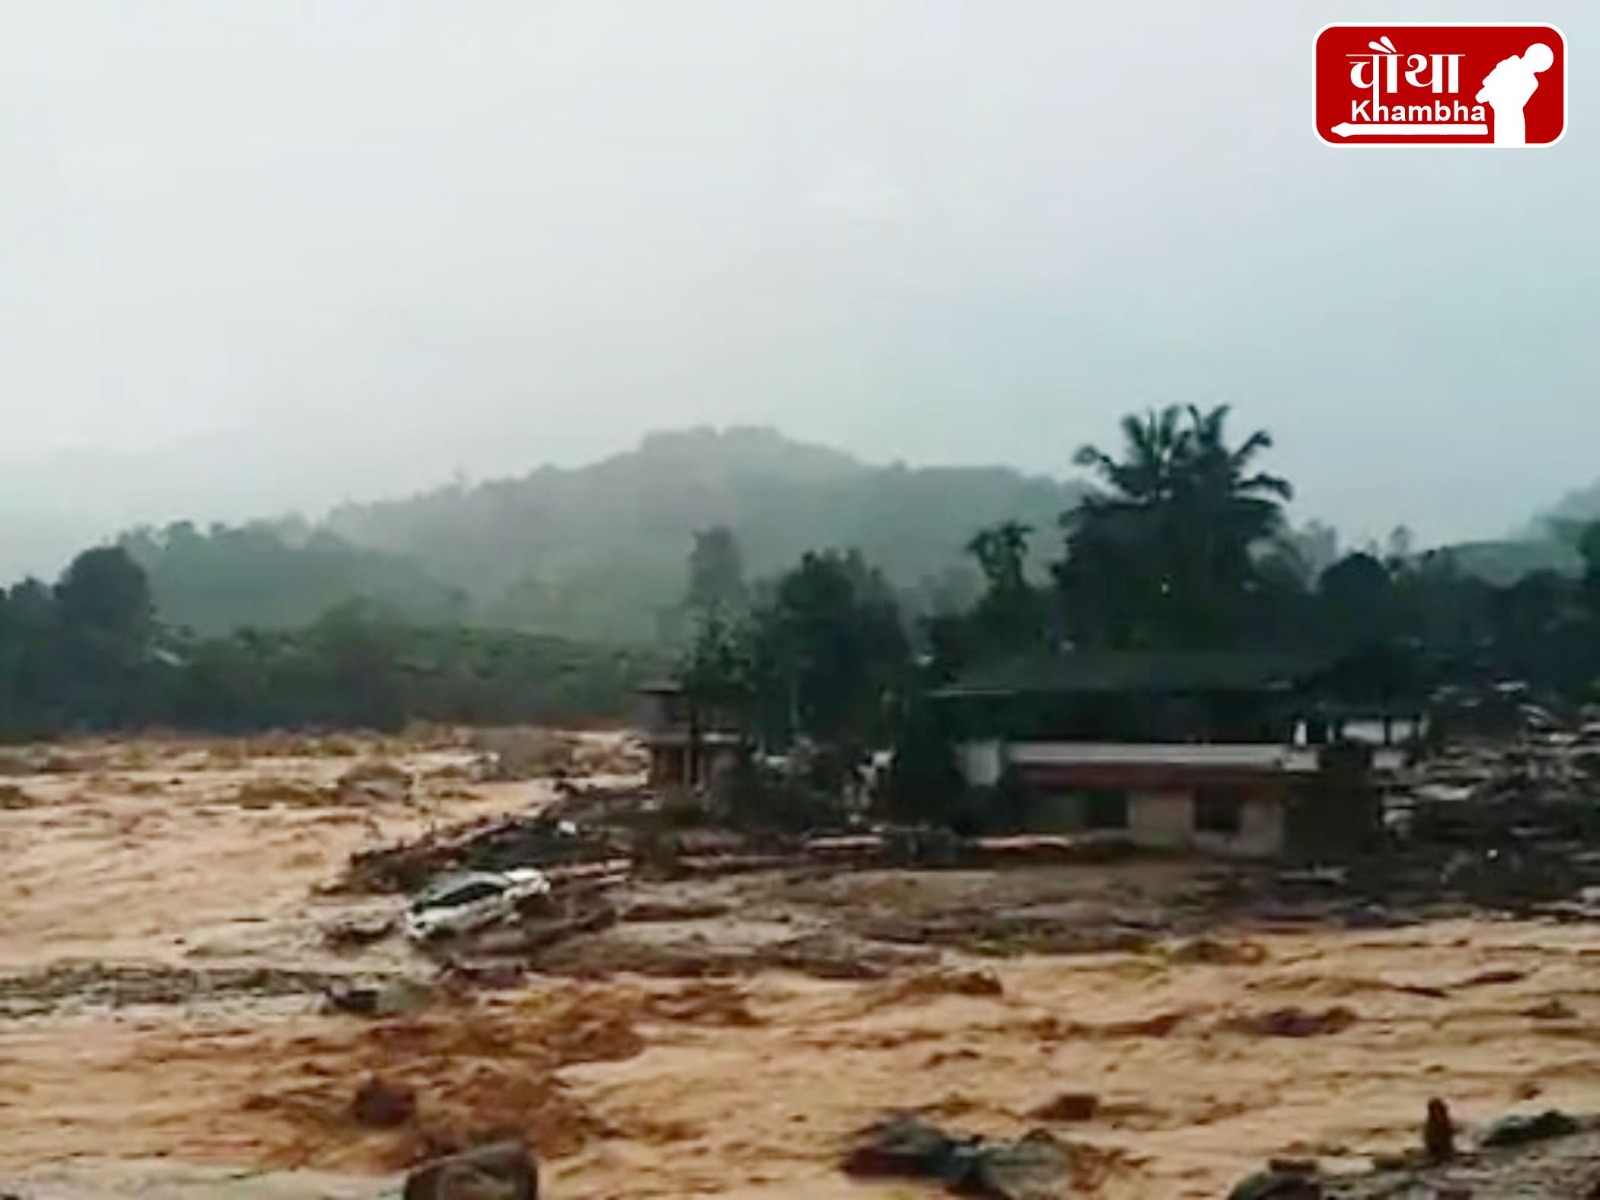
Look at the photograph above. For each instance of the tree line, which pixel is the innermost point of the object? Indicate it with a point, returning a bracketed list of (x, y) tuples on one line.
[(1183, 543), (88, 654)]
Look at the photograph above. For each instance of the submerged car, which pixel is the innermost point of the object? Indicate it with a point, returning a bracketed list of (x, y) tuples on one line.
[(459, 904)]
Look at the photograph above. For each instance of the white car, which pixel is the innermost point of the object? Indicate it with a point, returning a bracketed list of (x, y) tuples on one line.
[(459, 904)]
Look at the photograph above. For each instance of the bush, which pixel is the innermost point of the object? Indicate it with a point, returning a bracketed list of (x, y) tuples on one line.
[(682, 809), (1012, 803), (751, 798)]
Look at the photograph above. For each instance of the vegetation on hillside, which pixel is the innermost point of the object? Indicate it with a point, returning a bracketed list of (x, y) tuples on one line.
[(594, 553), (89, 655), (1183, 543), (597, 553), (277, 576)]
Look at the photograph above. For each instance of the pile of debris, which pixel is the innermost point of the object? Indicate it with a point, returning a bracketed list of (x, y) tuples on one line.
[(496, 844), (1037, 1166), (1510, 823), (1526, 1156), (522, 753), (112, 985)]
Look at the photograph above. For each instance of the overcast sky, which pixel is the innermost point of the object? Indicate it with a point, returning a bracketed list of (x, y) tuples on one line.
[(269, 254)]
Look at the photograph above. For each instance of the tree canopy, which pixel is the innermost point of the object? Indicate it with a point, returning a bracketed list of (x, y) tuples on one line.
[(1165, 549)]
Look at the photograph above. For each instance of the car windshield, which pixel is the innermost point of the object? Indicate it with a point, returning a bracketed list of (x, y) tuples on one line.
[(464, 892)]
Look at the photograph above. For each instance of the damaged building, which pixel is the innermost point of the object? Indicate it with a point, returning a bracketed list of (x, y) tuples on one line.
[(1242, 755), (688, 745)]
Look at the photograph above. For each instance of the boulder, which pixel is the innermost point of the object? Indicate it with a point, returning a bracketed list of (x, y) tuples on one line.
[(498, 1171), (906, 1148), (1069, 1107), (1278, 1185), (379, 1104), (1031, 1168), (1522, 1129)]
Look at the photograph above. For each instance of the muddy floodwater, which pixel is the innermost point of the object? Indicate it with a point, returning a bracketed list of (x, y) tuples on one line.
[(163, 908)]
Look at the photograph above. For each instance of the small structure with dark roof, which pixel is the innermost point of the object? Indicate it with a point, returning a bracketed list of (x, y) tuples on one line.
[(687, 748)]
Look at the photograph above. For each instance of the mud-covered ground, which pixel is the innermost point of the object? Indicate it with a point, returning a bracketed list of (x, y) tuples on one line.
[(163, 912)]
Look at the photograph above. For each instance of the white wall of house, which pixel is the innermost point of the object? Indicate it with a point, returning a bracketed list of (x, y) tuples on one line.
[(1257, 756), (1161, 820), (982, 762), (1156, 819)]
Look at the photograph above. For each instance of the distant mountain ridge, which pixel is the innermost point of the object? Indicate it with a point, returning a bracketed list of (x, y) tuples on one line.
[(600, 551)]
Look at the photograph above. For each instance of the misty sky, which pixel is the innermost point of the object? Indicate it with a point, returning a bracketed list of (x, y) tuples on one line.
[(256, 255)]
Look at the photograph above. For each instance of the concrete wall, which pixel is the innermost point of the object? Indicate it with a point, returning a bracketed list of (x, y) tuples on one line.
[(1159, 781), (1161, 820), (1058, 812), (1165, 820), (1260, 835)]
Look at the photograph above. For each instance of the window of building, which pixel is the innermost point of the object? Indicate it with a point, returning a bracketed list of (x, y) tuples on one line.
[(1218, 810), (1105, 810)]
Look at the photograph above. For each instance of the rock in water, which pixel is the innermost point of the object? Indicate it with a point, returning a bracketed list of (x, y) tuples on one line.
[(1069, 1106), (1278, 1185), (907, 1148), (379, 1104), (1520, 1130), (461, 1182), (1438, 1133), (499, 1171), (1031, 1168)]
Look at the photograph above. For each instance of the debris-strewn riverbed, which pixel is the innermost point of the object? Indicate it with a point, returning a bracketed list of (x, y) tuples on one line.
[(165, 953)]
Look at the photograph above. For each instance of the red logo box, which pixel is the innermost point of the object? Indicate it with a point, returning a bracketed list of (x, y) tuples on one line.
[(1441, 85)]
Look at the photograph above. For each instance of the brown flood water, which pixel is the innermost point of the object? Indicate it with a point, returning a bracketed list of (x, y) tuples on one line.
[(744, 1089)]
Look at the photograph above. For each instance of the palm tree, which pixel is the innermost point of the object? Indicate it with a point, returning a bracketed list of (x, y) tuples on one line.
[(1116, 577), (1249, 503), (1002, 554), (1230, 507), (1154, 447), (1011, 616), (1171, 530)]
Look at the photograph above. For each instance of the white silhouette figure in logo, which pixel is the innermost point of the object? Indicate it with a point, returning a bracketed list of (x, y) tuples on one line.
[(1506, 89)]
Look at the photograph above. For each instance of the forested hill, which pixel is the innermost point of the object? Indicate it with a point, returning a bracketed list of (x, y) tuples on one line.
[(599, 552)]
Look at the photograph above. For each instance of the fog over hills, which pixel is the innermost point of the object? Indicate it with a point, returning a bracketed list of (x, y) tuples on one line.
[(595, 550), (598, 551)]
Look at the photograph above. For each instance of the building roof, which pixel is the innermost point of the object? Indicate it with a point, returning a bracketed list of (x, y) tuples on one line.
[(660, 687), (1104, 671)]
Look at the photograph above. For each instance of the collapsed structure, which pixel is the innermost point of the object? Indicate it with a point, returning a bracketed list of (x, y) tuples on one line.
[(688, 745)]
